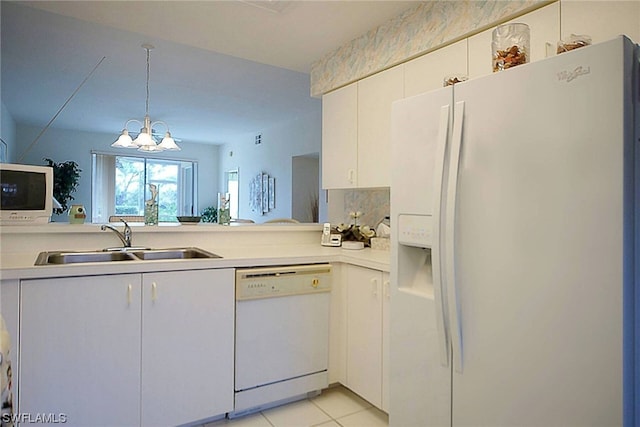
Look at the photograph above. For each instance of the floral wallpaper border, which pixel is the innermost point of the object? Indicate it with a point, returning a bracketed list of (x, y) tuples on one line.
[(418, 30)]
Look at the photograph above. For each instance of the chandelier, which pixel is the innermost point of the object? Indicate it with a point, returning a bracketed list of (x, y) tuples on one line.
[(145, 141)]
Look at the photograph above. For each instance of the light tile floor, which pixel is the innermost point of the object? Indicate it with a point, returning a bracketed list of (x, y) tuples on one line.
[(335, 407)]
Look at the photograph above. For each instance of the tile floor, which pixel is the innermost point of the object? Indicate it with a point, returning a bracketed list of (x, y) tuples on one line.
[(335, 407)]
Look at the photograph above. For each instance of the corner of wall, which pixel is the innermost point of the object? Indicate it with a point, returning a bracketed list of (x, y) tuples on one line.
[(8, 136)]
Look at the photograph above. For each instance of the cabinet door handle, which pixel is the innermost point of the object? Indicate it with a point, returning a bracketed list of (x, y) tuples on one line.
[(387, 293), (351, 176), (129, 289), (548, 49), (154, 291), (374, 287)]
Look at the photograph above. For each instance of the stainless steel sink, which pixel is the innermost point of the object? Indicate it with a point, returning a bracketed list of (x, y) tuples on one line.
[(70, 257), (45, 258), (178, 253)]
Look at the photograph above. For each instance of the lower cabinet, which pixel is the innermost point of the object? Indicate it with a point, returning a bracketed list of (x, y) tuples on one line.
[(187, 345), (128, 349), (9, 309), (367, 334), (386, 371)]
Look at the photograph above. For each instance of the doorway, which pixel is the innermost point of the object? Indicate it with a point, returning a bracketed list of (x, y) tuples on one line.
[(305, 187)]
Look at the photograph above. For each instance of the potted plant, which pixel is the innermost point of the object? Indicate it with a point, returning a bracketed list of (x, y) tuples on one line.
[(66, 176), (210, 214)]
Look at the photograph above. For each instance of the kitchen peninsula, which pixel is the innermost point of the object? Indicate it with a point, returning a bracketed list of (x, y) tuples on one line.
[(136, 318), (243, 245)]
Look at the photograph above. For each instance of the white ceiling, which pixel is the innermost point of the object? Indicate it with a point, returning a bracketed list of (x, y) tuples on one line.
[(219, 68)]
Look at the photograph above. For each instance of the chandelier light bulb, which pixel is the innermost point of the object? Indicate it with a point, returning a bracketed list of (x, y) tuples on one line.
[(124, 140), (150, 148), (168, 143), (144, 138)]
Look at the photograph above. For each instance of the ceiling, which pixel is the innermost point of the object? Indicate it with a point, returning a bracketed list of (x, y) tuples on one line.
[(219, 69)]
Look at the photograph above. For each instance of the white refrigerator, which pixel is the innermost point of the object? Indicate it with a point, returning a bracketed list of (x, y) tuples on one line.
[(515, 259)]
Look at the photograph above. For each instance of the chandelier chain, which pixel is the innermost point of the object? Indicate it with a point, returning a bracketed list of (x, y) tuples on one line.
[(148, 68)]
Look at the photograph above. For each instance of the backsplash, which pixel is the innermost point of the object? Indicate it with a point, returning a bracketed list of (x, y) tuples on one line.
[(374, 204)]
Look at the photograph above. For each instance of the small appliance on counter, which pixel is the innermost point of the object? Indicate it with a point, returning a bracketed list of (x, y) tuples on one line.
[(381, 243), (329, 239), (77, 214), (27, 194), (382, 240), (353, 245)]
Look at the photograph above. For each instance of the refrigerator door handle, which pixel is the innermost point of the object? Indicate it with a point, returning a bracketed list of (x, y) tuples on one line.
[(453, 308), (436, 256)]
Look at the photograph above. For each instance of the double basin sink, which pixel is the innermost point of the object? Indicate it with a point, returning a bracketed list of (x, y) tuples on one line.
[(71, 257)]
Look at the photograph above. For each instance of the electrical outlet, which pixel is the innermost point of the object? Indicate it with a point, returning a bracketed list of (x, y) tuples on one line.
[(258, 139)]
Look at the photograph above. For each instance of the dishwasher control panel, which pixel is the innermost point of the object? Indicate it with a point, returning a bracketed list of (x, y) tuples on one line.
[(254, 283)]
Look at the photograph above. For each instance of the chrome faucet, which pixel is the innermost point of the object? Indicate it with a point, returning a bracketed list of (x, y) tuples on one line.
[(125, 237)]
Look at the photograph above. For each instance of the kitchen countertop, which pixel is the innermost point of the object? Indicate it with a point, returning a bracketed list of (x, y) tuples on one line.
[(241, 246), (21, 266)]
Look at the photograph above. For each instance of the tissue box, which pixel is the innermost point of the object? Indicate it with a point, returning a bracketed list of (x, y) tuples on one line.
[(381, 243)]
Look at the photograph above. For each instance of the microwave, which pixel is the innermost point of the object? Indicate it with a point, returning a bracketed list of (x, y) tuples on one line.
[(26, 194)]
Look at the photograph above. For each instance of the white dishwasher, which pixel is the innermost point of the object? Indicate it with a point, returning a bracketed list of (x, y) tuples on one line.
[(282, 334)]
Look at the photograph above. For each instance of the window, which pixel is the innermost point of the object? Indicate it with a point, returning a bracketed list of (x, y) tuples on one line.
[(233, 190), (119, 186)]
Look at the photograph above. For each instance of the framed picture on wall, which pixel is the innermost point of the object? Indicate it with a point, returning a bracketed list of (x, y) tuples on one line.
[(255, 193), (262, 193), (272, 193), (265, 193)]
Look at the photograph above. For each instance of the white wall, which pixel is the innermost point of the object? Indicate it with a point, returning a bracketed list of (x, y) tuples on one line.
[(300, 136), (8, 133), (62, 145)]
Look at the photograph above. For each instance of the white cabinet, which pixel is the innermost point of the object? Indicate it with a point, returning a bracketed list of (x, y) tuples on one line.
[(338, 326), (428, 72), (601, 20), (9, 308), (472, 56), (386, 371), (375, 96), (340, 137), (356, 119), (544, 25), (80, 349), (364, 333), (367, 347), (128, 349), (356, 126), (187, 345)]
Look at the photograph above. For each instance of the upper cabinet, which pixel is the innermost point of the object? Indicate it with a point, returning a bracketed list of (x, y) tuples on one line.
[(340, 137), (429, 71), (375, 96), (601, 20), (356, 118), (544, 25), (356, 126)]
